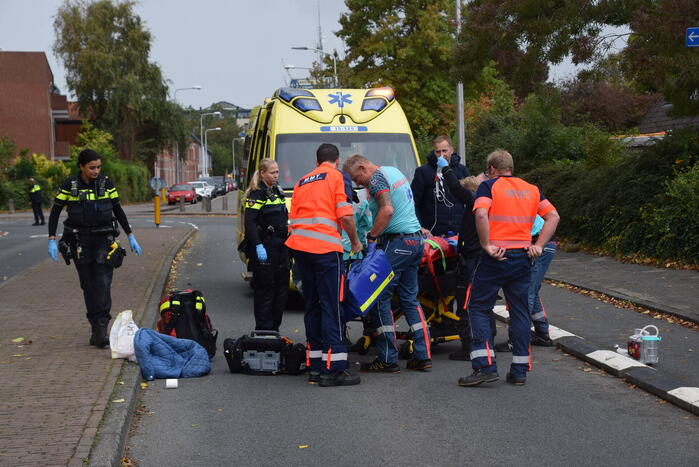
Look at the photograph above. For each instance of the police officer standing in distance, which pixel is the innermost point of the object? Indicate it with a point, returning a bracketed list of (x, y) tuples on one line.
[(319, 210), (35, 200), (265, 232), (89, 235)]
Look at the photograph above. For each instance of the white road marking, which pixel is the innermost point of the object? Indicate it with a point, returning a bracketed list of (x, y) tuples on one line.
[(165, 226), (557, 333), (39, 236), (554, 332), (617, 361), (686, 394)]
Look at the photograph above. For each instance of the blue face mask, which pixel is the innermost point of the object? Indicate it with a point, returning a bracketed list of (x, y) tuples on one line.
[(538, 224)]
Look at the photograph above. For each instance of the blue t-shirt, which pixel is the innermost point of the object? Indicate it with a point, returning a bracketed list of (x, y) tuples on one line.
[(390, 179)]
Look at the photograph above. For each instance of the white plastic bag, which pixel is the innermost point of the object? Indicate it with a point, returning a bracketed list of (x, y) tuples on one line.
[(121, 336)]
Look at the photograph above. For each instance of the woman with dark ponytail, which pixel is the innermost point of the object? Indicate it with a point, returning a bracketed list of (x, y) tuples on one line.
[(89, 237)]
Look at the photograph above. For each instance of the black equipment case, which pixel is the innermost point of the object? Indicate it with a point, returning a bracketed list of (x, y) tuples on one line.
[(264, 352)]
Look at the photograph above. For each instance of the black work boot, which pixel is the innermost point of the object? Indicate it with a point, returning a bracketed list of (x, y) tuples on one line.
[(95, 331), (102, 339), (339, 378)]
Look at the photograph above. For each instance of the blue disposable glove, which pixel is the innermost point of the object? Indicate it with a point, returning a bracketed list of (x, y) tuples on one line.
[(442, 162), (135, 247), (261, 252), (453, 243), (53, 249)]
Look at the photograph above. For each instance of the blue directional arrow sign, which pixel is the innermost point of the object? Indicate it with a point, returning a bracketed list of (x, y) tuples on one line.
[(692, 37)]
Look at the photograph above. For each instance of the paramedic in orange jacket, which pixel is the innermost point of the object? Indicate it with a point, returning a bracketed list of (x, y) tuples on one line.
[(505, 210), (319, 209)]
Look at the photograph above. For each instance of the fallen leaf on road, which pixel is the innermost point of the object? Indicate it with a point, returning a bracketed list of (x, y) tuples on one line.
[(118, 400), (303, 446), (296, 330), (195, 425), (200, 264), (690, 350), (144, 385), (20, 355), (555, 359), (28, 358), (587, 370), (120, 382), (18, 339)]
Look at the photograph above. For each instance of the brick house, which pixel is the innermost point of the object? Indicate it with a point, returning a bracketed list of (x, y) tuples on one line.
[(32, 112), (166, 166)]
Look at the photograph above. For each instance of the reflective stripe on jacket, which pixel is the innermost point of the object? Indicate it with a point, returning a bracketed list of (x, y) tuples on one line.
[(317, 204)]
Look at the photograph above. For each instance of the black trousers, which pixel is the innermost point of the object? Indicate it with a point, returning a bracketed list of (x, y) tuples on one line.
[(270, 284), (464, 276), (38, 213), (95, 276)]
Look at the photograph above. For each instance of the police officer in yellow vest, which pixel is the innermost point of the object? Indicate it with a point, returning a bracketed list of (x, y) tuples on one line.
[(266, 230), (89, 235), (35, 200)]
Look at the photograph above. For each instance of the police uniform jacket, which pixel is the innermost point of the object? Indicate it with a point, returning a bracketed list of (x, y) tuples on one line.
[(265, 215), (89, 205)]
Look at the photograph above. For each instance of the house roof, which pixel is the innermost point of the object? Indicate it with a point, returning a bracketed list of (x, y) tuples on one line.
[(657, 120)]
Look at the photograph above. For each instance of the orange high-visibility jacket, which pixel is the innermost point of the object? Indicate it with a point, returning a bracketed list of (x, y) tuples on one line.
[(512, 206), (318, 203)]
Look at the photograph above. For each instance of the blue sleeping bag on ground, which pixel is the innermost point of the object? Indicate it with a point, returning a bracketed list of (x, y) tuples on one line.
[(366, 280), (161, 356)]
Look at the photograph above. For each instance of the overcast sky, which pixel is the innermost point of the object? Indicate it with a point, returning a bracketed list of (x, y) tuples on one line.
[(234, 49)]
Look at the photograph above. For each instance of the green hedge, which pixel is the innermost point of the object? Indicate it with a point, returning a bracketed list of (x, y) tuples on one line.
[(645, 202)]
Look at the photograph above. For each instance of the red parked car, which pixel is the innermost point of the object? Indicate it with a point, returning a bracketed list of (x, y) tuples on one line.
[(181, 191)]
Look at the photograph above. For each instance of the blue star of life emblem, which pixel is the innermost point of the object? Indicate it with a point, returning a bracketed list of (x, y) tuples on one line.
[(340, 99)]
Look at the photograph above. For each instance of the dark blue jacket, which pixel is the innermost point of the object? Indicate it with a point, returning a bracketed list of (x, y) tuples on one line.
[(448, 211)]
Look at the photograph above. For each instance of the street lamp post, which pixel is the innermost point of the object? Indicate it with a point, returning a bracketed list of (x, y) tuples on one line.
[(460, 124), (335, 82), (201, 131), (178, 163), (196, 87), (206, 148)]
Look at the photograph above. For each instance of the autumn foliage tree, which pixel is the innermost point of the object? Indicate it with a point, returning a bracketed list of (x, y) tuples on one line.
[(104, 47), (405, 44)]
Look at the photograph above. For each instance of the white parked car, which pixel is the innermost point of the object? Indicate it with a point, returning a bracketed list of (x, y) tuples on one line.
[(202, 189)]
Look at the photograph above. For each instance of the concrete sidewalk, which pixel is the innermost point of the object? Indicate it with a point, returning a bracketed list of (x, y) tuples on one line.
[(673, 291), (55, 387)]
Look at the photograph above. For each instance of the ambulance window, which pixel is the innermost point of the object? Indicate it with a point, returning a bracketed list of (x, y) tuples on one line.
[(295, 153)]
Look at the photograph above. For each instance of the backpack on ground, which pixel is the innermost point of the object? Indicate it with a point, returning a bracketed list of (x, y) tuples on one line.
[(264, 352), (183, 315)]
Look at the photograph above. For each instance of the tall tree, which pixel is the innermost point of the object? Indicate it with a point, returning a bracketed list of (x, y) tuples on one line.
[(525, 36), (405, 44), (104, 46), (657, 56)]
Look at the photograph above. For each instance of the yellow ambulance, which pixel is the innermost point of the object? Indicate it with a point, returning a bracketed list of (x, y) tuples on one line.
[(289, 127)]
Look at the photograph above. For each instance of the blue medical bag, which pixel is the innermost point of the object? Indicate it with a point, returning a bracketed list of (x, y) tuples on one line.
[(366, 280)]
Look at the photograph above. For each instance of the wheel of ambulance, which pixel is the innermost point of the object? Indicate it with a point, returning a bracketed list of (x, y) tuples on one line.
[(405, 351)]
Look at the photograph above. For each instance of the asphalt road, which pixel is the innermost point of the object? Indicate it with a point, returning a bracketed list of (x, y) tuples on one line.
[(568, 412), (23, 245)]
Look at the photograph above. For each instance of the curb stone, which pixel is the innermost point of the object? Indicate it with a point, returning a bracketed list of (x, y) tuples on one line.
[(111, 434), (621, 366)]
